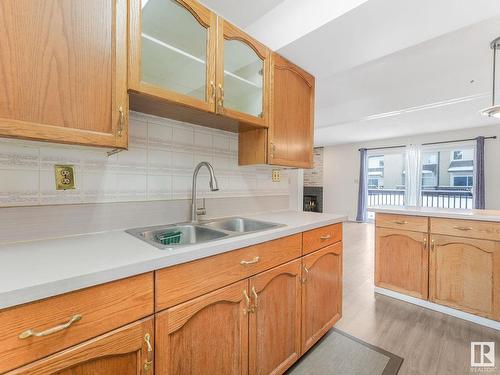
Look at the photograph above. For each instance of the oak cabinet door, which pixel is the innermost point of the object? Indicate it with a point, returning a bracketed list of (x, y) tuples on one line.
[(63, 71), (292, 127), (465, 274), (207, 335), (321, 293), (243, 81), (172, 51), (275, 322), (402, 261), (126, 351)]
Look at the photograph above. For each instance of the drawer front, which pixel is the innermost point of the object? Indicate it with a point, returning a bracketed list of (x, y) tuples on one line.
[(404, 222), (101, 309), (466, 228), (317, 238), (180, 283)]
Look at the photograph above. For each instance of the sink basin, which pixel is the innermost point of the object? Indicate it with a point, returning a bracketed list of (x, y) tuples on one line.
[(171, 236), (240, 225)]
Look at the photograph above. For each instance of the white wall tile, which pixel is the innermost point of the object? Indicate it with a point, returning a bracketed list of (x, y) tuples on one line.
[(158, 166)]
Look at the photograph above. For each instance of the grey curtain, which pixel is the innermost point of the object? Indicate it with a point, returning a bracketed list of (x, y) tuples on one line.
[(363, 188), (479, 175)]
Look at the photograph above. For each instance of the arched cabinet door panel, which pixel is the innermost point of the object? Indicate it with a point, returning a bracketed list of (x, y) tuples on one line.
[(402, 261), (206, 335), (243, 76), (274, 341), (321, 293), (172, 51), (465, 274)]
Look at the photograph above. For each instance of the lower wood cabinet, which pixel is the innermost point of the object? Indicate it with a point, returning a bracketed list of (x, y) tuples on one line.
[(321, 293), (207, 335), (125, 351), (401, 261), (275, 321), (465, 274)]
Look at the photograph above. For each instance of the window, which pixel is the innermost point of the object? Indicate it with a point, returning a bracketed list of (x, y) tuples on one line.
[(462, 181), (386, 179), (458, 155), (447, 180)]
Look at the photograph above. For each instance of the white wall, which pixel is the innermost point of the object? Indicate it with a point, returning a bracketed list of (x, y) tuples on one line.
[(341, 168)]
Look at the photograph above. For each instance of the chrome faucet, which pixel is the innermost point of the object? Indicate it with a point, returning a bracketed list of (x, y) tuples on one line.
[(213, 187)]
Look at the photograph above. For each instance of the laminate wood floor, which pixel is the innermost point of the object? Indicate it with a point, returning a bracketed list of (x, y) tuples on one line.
[(430, 342)]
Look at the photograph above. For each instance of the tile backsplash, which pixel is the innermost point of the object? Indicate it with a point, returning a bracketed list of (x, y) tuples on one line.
[(158, 166)]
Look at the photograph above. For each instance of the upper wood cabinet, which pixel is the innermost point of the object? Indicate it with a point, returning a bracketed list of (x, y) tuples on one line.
[(63, 71), (125, 351), (274, 333), (172, 51), (465, 274), (289, 139), (243, 82), (402, 261), (183, 54)]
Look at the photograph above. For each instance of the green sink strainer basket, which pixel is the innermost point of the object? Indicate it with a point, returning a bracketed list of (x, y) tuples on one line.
[(169, 238)]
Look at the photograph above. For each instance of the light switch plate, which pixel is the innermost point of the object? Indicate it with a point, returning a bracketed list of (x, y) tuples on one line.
[(65, 177), (276, 175)]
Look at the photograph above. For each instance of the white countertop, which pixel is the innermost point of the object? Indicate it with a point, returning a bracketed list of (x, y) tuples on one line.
[(452, 213), (38, 269)]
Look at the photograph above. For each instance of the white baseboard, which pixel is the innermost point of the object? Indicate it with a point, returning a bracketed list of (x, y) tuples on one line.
[(440, 308)]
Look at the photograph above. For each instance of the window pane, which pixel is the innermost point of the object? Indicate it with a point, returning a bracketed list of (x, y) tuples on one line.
[(447, 180), (386, 179)]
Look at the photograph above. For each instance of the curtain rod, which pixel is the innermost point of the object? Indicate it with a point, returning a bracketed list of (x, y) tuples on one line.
[(429, 143)]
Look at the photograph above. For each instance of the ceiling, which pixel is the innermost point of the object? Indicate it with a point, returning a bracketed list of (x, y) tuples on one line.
[(383, 68)]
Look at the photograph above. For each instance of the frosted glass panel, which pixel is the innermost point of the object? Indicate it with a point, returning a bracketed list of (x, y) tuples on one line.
[(174, 48), (243, 77)]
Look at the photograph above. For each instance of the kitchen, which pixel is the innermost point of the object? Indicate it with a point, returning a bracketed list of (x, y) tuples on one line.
[(172, 200)]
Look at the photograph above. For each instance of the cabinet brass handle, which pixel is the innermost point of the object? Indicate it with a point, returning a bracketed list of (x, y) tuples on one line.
[(248, 308), (212, 91), (273, 150), (121, 121), (433, 245), (247, 262), (255, 298), (221, 96), (325, 237), (149, 361), (400, 222), (425, 242), (304, 279), (31, 332), (462, 228)]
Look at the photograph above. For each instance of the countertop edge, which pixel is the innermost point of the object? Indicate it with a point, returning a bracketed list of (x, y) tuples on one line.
[(41, 291), (476, 215)]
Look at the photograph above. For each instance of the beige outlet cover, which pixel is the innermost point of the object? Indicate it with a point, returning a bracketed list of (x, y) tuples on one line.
[(65, 177)]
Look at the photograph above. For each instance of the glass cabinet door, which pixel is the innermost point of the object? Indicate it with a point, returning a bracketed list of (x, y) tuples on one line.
[(242, 76), (177, 51)]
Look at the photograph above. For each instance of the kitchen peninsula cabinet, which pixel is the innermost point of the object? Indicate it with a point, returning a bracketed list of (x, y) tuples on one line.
[(63, 68), (449, 261)]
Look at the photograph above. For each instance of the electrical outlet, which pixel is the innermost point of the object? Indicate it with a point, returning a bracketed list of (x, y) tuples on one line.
[(65, 177), (276, 175)]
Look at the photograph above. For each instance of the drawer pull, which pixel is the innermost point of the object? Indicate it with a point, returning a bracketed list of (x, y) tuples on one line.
[(30, 332), (149, 361), (400, 222), (247, 262), (325, 237), (465, 229), (255, 298), (425, 242)]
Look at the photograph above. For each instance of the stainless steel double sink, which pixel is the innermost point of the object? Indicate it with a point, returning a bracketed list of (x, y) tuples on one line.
[(169, 237)]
